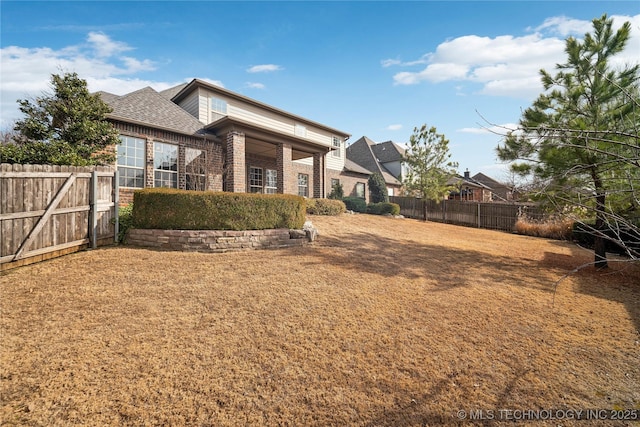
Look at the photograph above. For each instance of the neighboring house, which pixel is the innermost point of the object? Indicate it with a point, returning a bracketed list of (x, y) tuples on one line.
[(199, 136), (384, 158), (501, 192), (468, 189)]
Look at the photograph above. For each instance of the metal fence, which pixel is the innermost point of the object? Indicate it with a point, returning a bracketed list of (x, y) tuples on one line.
[(493, 216)]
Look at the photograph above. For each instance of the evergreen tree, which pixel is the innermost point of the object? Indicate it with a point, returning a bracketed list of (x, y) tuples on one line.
[(68, 127)]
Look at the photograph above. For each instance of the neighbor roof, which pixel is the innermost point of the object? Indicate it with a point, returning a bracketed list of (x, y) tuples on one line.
[(148, 107), (388, 151), (361, 152)]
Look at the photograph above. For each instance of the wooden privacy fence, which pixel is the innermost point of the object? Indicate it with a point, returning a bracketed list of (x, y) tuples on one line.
[(493, 216), (48, 211)]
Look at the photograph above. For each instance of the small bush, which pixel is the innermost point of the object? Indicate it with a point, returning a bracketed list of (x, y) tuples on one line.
[(355, 204), (378, 189), (550, 228), (172, 209), (383, 208), (125, 221), (325, 207)]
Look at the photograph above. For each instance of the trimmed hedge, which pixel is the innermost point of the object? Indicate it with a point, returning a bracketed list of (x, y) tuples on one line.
[(355, 204), (383, 208), (171, 209), (325, 207)]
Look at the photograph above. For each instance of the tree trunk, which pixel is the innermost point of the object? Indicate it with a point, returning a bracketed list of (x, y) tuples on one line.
[(599, 244)]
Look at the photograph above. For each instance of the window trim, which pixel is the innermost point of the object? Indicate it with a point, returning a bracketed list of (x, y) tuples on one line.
[(337, 153), (123, 167), (200, 176), (303, 190), (260, 186), (165, 172), (364, 190), (270, 189)]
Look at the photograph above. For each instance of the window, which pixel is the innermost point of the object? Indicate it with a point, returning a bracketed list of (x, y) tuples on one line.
[(195, 169), (271, 184), (337, 145), (303, 185), (334, 182), (130, 154), (255, 180), (165, 165), (360, 190), (218, 108), (300, 130)]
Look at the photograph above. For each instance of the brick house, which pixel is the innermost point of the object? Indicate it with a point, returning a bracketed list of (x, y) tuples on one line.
[(199, 136), (468, 189)]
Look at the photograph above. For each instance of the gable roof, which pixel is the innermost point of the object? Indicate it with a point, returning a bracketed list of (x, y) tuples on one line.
[(172, 91), (351, 166), (197, 83), (488, 181), (148, 107), (462, 180), (388, 151), (361, 153)]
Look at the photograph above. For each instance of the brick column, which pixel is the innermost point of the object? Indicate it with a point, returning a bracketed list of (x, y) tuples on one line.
[(149, 174), (182, 169), (236, 163), (318, 175), (283, 166)]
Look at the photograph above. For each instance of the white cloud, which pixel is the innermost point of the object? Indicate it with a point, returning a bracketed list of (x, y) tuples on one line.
[(508, 65), (104, 47), (26, 72), (394, 127), (254, 85), (265, 68)]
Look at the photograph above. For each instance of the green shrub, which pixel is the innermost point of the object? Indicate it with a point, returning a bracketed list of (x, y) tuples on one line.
[(325, 207), (337, 192), (172, 209), (383, 208), (125, 221), (355, 204), (378, 189)]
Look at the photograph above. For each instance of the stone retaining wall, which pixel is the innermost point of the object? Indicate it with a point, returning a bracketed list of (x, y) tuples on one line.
[(218, 240)]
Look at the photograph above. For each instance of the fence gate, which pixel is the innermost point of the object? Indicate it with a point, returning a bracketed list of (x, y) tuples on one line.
[(48, 211)]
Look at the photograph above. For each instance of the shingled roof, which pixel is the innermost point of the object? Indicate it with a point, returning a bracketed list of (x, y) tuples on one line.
[(150, 108), (361, 152), (388, 151)]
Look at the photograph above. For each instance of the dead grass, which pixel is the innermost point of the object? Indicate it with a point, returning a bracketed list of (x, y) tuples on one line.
[(381, 322), (552, 228)]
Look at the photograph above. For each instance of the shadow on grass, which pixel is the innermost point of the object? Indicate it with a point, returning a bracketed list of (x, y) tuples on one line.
[(448, 267), (619, 283)]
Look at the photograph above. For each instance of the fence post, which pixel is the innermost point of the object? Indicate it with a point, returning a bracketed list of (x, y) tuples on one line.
[(116, 205), (479, 215), (93, 212)]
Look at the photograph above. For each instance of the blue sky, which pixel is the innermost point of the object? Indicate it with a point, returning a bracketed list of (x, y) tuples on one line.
[(368, 68)]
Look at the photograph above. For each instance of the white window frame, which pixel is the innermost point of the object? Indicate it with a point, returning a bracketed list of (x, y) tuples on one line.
[(303, 184), (361, 185), (217, 108), (166, 176), (271, 181), (337, 143), (131, 154), (256, 179), (195, 167)]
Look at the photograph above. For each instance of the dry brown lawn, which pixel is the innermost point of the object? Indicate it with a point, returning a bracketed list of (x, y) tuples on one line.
[(382, 321)]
